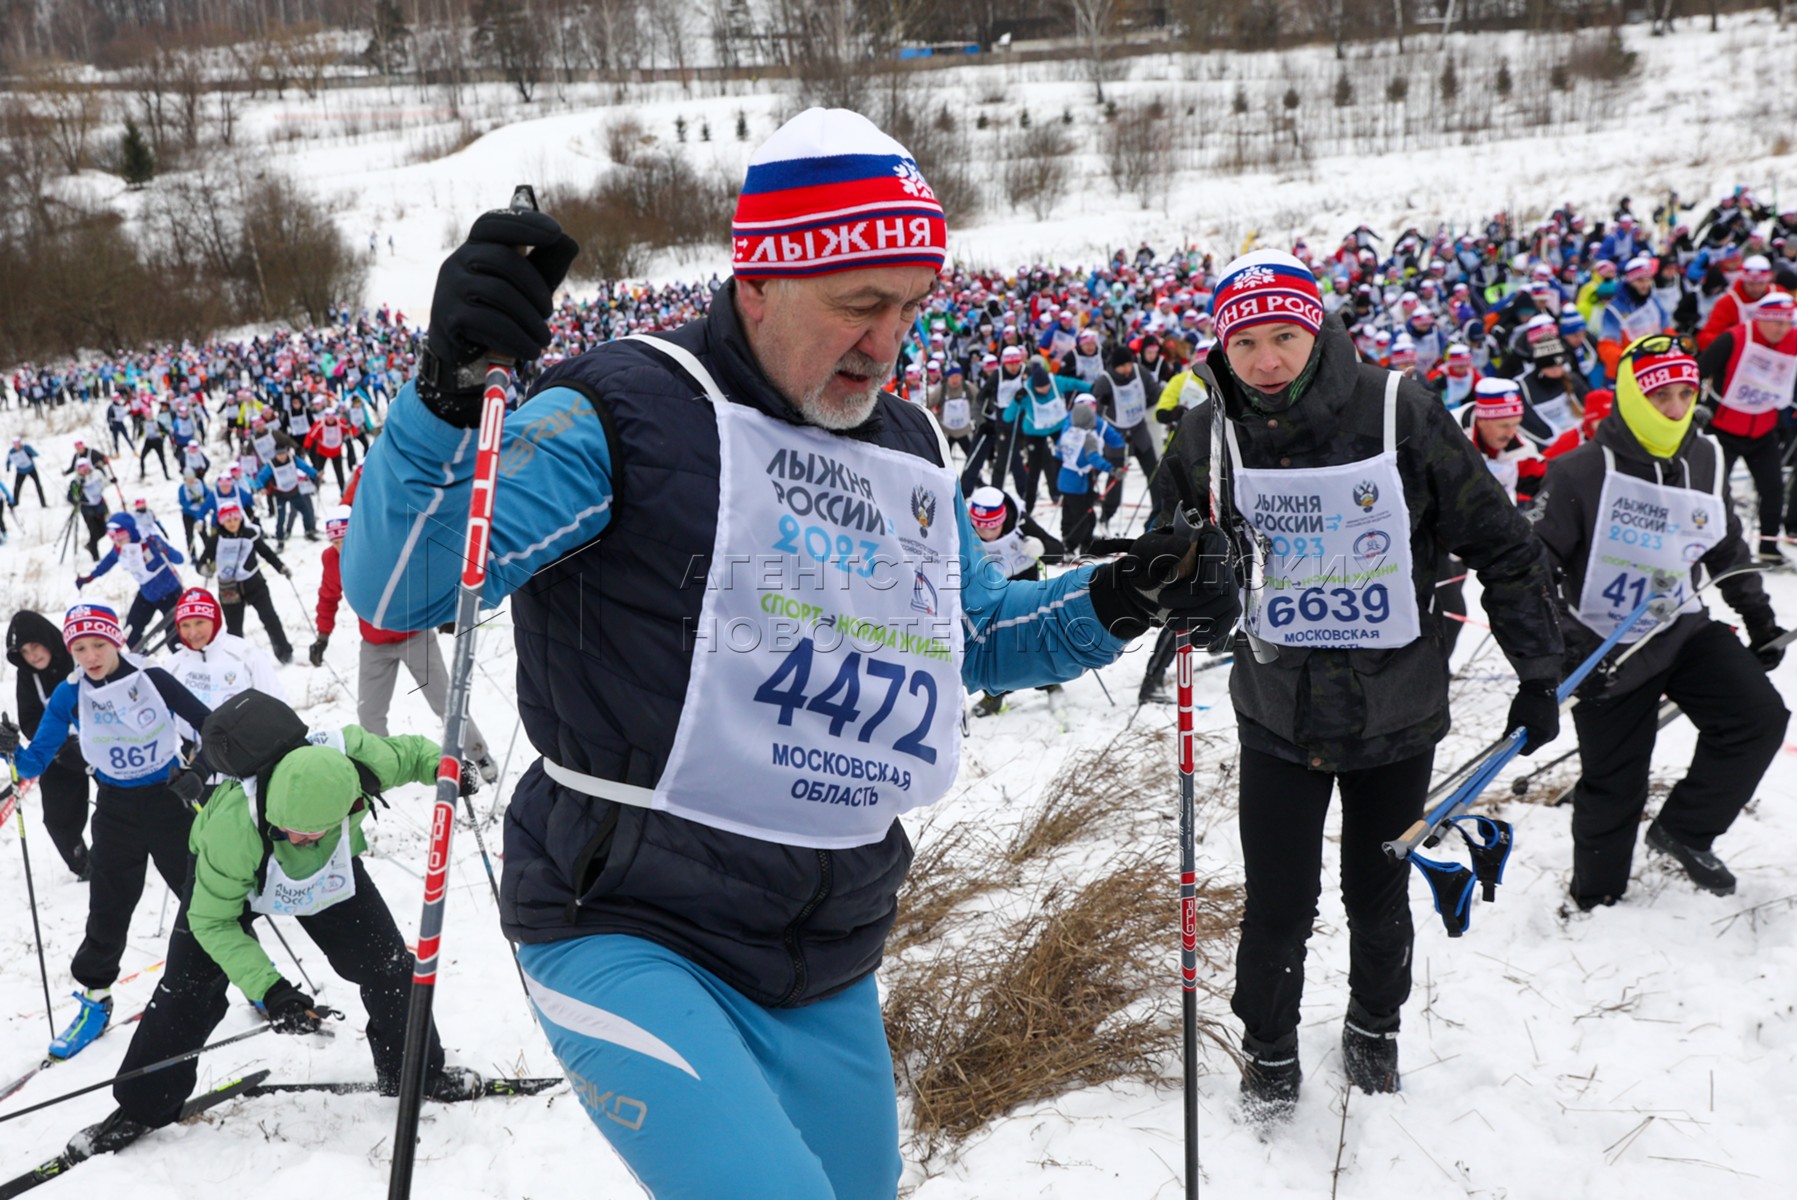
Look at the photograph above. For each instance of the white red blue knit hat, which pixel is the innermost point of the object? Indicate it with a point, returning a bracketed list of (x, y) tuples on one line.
[(1775, 304), (1642, 266), (1496, 399), (1266, 286), (1756, 267), (227, 507), (92, 620), (830, 192), (986, 507)]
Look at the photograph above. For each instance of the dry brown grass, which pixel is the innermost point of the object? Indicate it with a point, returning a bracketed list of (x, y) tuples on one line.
[(1028, 965)]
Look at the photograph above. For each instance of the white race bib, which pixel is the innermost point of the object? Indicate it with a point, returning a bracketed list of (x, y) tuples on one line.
[(126, 729), (1762, 380), (1046, 411), (284, 896), (1645, 528), (1334, 567), (1641, 322), (957, 414), (1008, 554), (1129, 401), (824, 699)]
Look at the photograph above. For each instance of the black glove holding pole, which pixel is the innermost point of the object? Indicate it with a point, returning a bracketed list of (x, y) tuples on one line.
[(290, 1010), (1177, 577), (491, 300), (1536, 709)]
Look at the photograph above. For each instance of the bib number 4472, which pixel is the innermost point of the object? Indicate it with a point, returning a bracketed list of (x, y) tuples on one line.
[(839, 703)]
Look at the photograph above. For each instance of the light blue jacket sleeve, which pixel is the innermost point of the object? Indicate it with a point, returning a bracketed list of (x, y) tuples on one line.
[(1023, 633), (402, 560)]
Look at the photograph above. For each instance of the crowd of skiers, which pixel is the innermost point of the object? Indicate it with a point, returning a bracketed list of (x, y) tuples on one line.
[(1466, 401)]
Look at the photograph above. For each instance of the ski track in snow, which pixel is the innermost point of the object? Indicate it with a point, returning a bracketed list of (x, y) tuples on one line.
[(1646, 1050)]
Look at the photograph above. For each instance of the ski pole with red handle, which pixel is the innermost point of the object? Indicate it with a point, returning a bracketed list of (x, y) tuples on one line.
[(449, 767)]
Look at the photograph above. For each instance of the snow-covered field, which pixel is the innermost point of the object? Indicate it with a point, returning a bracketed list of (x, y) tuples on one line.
[(1643, 1051)]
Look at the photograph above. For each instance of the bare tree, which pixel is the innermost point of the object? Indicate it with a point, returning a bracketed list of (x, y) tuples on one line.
[(73, 108), (507, 38), (1094, 21), (669, 20)]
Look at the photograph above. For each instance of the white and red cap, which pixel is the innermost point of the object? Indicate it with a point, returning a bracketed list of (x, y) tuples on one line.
[(227, 507), (197, 602), (1495, 399), (92, 620), (336, 522), (1642, 266), (830, 192), (1757, 268), (1655, 371), (986, 508), (1263, 287), (1011, 354)]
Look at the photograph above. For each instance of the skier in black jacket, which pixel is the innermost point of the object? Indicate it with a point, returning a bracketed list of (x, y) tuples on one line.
[(34, 648), (1649, 494), (1339, 678)]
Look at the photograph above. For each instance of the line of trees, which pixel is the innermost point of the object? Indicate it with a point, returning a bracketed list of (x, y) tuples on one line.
[(533, 40)]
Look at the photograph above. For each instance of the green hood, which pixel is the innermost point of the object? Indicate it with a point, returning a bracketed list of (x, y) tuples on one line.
[(312, 790)]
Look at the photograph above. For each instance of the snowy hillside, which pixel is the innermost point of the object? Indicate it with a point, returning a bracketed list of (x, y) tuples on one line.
[(1648, 1050)]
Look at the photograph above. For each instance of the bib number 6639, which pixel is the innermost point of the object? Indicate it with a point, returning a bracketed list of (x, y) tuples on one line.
[(1315, 605)]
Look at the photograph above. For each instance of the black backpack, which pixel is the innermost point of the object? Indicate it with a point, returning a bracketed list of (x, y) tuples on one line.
[(246, 738)]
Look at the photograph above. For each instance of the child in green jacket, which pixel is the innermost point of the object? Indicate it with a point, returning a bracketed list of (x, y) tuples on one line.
[(308, 866)]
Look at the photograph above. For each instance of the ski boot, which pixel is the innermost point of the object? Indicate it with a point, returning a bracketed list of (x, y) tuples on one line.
[(452, 1084), (1154, 691), (1370, 1050), (1270, 1079), (990, 705), (88, 1024), (1704, 869), (111, 1135), (81, 862)]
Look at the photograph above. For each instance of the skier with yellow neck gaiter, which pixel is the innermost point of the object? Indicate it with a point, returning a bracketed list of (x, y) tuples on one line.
[(1646, 498)]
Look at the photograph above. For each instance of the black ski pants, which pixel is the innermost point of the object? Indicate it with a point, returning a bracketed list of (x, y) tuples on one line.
[(1077, 522), (95, 515), (363, 946), (18, 487), (138, 622), (1032, 460), (253, 593), (987, 448), (131, 828), (64, 791), (1740, 723), (157, 445), (1283, 806), (1765, 462)]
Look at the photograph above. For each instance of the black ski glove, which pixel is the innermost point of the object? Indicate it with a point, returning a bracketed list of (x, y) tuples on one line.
[(1760, 636), (491, 300), (470, 779), (1536, 711), (189, 785), (1146, 587), (290, 1010), (316, 653), (9, 737)]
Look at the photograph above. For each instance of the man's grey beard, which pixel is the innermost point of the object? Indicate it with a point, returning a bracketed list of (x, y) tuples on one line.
[(853, 409)]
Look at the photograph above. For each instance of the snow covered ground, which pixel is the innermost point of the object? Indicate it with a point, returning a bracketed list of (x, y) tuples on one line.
[(1645, 1050)]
